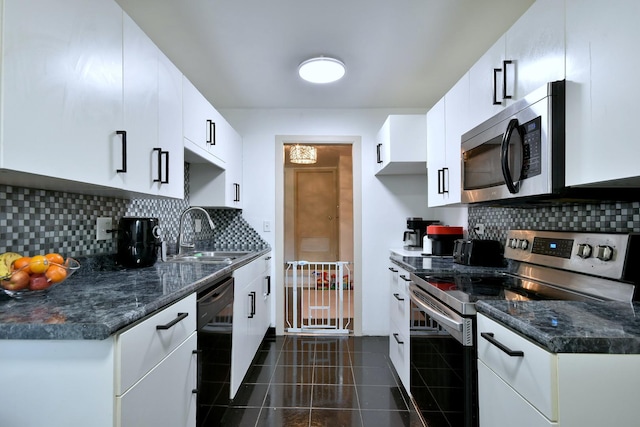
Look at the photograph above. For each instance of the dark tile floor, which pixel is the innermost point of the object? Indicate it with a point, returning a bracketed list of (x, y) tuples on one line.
[(322, 381)]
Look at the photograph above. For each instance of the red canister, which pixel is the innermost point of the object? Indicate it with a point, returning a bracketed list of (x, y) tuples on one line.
[(443, 238)]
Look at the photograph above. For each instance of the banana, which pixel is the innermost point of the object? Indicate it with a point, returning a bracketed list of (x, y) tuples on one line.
[(6, 259)]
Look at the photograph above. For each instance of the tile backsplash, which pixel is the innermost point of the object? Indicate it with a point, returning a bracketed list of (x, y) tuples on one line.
[(38, 221), (616, 217)]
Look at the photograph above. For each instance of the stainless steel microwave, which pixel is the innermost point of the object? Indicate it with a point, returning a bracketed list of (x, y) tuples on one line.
[(519, 152)]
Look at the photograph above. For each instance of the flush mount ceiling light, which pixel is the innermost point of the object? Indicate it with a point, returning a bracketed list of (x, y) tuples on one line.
[(321, 70), (303, 154)]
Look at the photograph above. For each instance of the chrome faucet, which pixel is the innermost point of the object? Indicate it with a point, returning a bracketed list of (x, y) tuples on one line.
[(180, 243)]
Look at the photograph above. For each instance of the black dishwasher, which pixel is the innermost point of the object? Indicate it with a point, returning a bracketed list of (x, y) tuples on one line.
[(215, 321)]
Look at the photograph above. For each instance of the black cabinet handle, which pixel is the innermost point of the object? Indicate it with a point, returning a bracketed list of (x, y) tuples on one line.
[(445, 186), (378, 153), (393, 270), (504, 79), (398, 297), (236, 187), (495, 86), (159, 178), (403, 277), (442, 187), (268, 278), (489, 337), (166, 166), (211, 132), (180, 317), (252, 295), (123, 133), (398, 339)]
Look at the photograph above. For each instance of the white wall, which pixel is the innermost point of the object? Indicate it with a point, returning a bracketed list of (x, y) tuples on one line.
[(385, 203)]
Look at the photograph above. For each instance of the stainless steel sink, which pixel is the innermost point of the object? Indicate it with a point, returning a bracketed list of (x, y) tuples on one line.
[(208, 257)]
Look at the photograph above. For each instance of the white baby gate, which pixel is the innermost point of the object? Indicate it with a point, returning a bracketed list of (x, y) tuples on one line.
[(318, 298)]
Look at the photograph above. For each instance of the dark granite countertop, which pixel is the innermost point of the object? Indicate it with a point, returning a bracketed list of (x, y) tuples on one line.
[(570, 326), (99, 300), (440, 265)]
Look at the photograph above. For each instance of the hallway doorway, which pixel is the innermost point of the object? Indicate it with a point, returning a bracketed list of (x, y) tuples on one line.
[(319, 229)]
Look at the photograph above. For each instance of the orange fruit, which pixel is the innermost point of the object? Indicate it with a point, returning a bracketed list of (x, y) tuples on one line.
[(54, 258), (22, 262), (56, 274), (39, 264)]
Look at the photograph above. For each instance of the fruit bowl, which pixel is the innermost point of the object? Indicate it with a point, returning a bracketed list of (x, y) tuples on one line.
[(36, 275)]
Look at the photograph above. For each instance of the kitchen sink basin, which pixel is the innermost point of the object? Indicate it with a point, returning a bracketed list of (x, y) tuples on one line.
[(208, 257)]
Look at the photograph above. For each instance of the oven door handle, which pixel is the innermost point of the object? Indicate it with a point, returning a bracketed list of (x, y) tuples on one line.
[(437, 316)]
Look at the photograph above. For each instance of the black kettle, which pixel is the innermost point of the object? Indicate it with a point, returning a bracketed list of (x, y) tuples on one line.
[(138, 241)]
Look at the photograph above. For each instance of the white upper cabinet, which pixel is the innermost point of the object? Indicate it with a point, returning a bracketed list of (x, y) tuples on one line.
[(446, 122), (82, 87), (62, 89), (530, 54), (602, 91), (402, 145), (201, 123), (168, 172)]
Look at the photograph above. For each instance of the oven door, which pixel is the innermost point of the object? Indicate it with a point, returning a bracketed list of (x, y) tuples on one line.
[(461, 328), (443, 374)]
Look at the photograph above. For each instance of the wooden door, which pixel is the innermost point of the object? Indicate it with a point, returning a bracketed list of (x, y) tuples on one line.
[(316, 207)]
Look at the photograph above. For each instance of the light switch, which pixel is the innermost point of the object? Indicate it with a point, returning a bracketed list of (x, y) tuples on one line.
[(266, 226)]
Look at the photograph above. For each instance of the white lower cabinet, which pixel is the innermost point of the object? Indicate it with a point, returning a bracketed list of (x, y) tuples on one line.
[(399, 344), (539, 388), (164, 396), (156, 369), (251, 317), (142, 376)]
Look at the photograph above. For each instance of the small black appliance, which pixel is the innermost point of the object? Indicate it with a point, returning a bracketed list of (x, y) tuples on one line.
[(138, 241), (487, 253)]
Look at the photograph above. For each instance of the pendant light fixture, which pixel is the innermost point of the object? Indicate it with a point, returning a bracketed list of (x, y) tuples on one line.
[(321, 69), (303, 154)]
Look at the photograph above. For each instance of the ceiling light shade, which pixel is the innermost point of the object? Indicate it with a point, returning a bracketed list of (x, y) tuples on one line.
[(321, 70), (303, 154)]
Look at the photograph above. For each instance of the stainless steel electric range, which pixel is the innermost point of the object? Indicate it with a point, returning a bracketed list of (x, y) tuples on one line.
[(543, 265)]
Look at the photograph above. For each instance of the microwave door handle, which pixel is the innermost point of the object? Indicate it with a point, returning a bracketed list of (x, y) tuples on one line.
[(504, 157)]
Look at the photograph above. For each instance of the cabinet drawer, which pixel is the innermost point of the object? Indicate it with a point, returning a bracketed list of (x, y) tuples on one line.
[(164, 397), (533, 375), (143, 346), (499, 405), (399, 353), (248, 272)]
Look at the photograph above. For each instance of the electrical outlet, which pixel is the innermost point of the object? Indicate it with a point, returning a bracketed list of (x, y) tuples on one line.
[(266, 226), (102, 225), (198, 225), (479, 229)]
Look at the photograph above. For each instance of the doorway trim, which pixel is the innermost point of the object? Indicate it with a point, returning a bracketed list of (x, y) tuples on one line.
[(356, 143)]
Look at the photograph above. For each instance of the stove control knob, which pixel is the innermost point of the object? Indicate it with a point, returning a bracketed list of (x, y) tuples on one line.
[(513, 243), (523, 244), (604, 253), (584, 250)]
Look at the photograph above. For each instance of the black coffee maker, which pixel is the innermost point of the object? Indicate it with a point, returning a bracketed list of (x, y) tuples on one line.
[(138, 241), (417, 228)]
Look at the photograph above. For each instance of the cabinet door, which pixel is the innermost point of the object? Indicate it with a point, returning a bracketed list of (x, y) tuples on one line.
[(436, 155), (602, 90), (62, 88), (536, 44), (456, 123), (140, 108), (485, 84), (164, 397), (199, 123), (170, 129)]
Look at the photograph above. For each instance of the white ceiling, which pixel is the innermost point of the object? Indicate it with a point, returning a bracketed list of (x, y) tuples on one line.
[(398, 53)]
